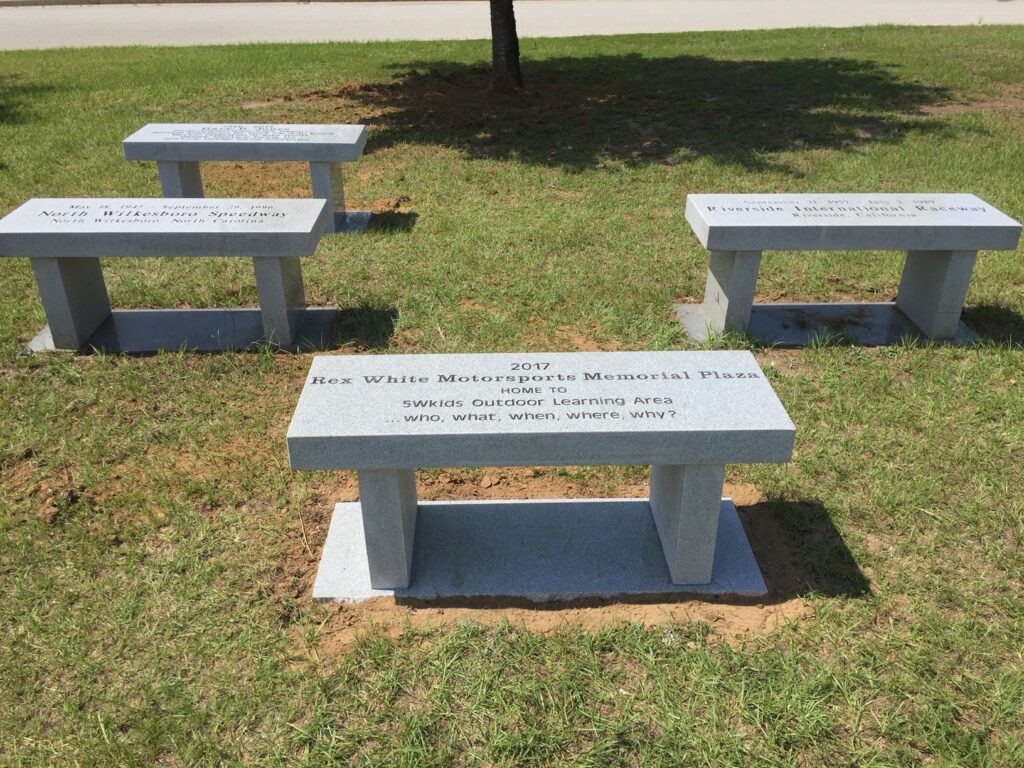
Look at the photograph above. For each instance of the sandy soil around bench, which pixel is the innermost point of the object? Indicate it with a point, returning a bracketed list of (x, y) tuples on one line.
[(730, 619)]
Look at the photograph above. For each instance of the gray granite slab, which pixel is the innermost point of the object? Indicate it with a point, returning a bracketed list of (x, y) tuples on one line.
[(98, 227), (246, 141), (143, 331), (870, 324), (392, 411), (535, 550), (846, 221)]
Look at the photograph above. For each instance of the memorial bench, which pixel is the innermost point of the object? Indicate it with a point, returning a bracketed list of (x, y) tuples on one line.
[(687, 414), (178, 148), (65, 237), (941, 234)]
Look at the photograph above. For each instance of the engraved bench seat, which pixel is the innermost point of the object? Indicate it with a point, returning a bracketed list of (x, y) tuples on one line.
[(687, 414), (941, 234)]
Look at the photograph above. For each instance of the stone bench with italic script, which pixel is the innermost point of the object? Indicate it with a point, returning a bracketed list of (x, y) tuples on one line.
[(941, 234), (178, 148), (65, 238), (687, 414)]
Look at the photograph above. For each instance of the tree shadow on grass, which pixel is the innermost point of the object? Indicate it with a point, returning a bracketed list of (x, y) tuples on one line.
[(17, 99), (393, 221), (365, 327), (801, 552), (1000, 324), (582, 112)]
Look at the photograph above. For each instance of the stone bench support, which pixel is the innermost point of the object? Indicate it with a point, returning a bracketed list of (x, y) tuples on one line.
[(685, 502), (329, 185), (933, 290), (180, 178), (282, 297), (74, 297), (388, 499), (75, 300), (729, 293)]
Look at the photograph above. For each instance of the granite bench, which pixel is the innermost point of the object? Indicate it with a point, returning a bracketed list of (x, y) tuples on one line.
[(178, 148), (65, 238), (687, 414), (941, 234)]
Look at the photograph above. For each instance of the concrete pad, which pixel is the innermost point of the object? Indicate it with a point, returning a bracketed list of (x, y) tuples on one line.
[(351, 222), (800, 325), (562, 549), (141, 331)]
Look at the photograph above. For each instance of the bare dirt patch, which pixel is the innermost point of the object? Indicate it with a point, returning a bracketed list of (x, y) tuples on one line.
[(729, 622), (585, 340), (388, 204), (589, 337), (731, 619), (251, 179), (1009, 98), (288, 180), (52, 495), (55, 496), (18, 469), (784, 361)]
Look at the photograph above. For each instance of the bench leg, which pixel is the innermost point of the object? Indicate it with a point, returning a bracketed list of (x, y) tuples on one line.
[(328, 185), (180, 179), (282, 297), (729, 293), (388, 501), (74, 298), (685, 502), (933, 289)]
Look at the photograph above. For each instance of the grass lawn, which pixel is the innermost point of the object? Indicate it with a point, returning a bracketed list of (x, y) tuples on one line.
[(157, 552)]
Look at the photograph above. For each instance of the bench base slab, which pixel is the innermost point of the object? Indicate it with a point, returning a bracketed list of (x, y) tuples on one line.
[(141, 331), (351, 222), (552, 550), (801, 325)]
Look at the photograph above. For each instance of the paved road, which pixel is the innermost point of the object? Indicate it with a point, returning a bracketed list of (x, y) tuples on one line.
[(203, 24)]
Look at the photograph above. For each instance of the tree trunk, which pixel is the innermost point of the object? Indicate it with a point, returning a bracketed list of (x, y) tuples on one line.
[(505, 73)]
